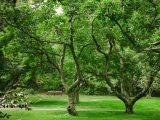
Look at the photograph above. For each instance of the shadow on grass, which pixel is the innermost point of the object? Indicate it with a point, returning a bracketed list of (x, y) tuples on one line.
[(47, 103), (103, 104)]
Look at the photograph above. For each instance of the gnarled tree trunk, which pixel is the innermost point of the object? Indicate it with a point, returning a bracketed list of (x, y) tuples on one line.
[(71, 104), (129, 108)]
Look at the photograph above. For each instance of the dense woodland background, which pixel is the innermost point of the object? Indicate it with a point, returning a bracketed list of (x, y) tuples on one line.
[(92, 47)]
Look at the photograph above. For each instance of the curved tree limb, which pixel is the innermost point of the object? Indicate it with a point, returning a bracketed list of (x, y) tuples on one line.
[(130, 38)]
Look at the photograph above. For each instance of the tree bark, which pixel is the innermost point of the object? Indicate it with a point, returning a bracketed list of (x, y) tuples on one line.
[(129, 108), (71, 104), (76, 99)]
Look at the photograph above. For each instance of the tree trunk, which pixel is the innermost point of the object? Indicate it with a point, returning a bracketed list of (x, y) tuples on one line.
[(129, 108), (76, 100), (71, 104), (149, 94)]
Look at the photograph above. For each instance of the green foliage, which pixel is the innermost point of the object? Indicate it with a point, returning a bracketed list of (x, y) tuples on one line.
[(32, 36), (49, 81), (94, 86)]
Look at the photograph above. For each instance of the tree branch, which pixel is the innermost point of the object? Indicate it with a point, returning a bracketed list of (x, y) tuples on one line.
[(156, 50), (130, 38), (71, 20), (81, 50), (37, 38), (156, 43), (98, 47), (62, 74)]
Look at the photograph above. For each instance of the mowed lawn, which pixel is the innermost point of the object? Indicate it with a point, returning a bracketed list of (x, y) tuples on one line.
[(90, 108)]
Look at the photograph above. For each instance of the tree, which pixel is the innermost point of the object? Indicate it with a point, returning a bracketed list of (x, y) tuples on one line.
[(57, 43), (126, 29)]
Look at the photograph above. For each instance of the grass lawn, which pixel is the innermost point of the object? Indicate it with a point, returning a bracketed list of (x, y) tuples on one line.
[(90, 108)]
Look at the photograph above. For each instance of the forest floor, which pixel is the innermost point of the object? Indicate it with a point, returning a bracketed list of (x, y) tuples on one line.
[(90, 108)]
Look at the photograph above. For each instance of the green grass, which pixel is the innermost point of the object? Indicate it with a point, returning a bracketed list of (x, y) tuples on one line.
[(90, 108)]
